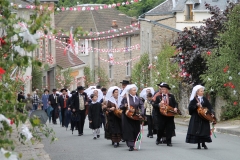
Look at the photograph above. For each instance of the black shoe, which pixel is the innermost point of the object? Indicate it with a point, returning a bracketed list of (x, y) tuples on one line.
[(151, 136), (169, 145), (112, 143), (131, 149), (117, 144), (123, 140), (199, 147), (94, 138), (204, 146), (79, 134), (147, 135), (98, 136), (157, 142)]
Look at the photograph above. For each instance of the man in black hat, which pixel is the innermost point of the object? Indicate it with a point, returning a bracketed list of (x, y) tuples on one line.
[(124, 84), (164, 123), (63, 102), (78, 104), (53, 100)]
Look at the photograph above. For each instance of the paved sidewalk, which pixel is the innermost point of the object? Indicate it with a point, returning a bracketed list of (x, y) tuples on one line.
[(228, 127), (30, 151)]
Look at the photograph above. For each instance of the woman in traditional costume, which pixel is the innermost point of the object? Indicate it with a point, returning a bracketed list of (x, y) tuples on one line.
[(131, 127), (199, 128), (113, 126)]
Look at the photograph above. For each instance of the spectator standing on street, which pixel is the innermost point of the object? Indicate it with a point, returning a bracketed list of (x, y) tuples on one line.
[(29, 103), (21, 97), (35, 100), (94, 116), (45, 97)]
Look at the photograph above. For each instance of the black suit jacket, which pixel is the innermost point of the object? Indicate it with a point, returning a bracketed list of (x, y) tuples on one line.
[(54, 102), (74, 104), (61, 101)]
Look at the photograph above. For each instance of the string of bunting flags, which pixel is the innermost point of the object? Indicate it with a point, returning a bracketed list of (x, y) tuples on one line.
[(115, 30), (107, 37), (111, 60), (105, 50), (76, 8)]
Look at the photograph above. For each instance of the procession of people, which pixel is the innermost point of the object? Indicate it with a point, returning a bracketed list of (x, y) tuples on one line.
[(121, 114)]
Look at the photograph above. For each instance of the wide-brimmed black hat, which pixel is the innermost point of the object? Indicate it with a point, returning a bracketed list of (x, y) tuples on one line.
[(79, 88), (64, 89), (72, 92), (159, 84), (125, 82), (54, 89), (46, 90), (165, 85)]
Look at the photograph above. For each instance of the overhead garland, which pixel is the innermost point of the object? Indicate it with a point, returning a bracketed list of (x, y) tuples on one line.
[(111, 60), (75, 8), (106, 50)]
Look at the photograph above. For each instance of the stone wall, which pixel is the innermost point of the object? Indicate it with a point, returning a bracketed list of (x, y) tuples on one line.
[(219, 102), (153, 37), (118, 70)]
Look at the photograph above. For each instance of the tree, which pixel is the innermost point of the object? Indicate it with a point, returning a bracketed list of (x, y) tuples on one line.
[(164, 70), (88, 76), (194, 43), (222, 76), (141, 72), (15, 39), (64, 78)]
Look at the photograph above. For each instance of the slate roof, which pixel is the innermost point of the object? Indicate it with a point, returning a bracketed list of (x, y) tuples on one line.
[(63, 60), (200, 5), (165, 8), (94, 20)]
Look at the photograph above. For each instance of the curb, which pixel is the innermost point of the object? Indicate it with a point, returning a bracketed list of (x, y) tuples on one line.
[(231, 131), (228, 131)]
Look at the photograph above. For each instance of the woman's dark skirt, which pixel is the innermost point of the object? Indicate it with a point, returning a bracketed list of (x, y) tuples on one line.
[(198, 139)]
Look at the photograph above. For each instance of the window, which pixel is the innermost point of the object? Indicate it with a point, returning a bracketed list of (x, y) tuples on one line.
[(49, 47), (84, 47), (128, 69), (43, 50), (44, 82), (189, 13), (109, 45), (110, 69), (128, 43)]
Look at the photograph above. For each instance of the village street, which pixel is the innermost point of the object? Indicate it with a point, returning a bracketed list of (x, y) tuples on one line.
[(73, 147)]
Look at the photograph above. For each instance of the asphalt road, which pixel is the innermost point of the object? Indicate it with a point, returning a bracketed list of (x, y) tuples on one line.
[(73, 147)]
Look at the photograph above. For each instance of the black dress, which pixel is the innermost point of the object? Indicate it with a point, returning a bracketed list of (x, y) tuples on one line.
[(130, 127), (198, 129), (94, 115), (113, 125)]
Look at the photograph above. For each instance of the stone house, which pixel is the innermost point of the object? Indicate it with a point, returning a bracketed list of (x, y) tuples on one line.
[(107, 46)]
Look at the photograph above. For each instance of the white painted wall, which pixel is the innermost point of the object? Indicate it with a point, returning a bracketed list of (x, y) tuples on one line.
[(198, 18)]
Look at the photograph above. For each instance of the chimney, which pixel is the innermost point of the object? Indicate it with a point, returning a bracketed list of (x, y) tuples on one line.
[(134, 20), (114, 24)]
